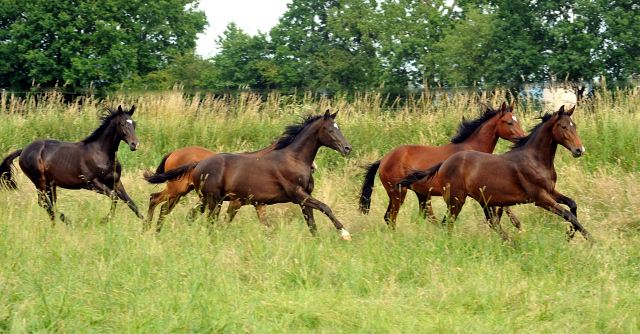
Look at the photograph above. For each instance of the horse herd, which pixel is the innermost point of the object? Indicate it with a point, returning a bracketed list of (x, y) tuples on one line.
[(283, 172)]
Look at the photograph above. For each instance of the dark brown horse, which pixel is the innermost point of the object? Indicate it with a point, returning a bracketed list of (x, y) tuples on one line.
[(88, 164), (480, 135), (279, 176), (175, 189), (525, 174)]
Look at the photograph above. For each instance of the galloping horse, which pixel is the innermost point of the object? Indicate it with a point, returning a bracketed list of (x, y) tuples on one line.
[(480, 134), (278, 176), (525, 174), (177, 188), (88, 164)]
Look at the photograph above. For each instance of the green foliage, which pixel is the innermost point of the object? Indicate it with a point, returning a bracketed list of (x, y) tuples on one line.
[(83, 43)]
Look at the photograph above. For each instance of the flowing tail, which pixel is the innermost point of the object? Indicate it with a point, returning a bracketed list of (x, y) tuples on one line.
[(160, 168), (367, 186), (418, 175), (170, 175), (6, 171)]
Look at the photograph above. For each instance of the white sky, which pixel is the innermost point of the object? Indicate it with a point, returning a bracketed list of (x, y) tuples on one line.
[(249, 15)]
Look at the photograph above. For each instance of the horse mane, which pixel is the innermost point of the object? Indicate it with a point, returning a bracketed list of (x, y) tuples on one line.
[(106, 117), (468, 127), (291, 131), (521, 141)]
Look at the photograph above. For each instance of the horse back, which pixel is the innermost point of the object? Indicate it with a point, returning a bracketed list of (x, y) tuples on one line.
[(185, 155)]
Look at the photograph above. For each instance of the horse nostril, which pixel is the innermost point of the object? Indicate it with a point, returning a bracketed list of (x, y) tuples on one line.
[(347, 149)]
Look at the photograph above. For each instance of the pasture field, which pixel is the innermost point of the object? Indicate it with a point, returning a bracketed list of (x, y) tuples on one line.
[(243, 277)]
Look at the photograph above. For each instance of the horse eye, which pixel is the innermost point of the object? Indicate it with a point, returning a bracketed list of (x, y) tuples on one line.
[(564, 127), (509, 123)]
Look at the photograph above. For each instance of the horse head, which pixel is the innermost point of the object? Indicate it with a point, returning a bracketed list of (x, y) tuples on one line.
[(508, 127), (331, 136), (126, 128), (564, 132)]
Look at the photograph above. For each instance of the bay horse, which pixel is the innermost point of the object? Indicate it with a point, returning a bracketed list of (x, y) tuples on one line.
[(88, 164), (175, 189), (278, 176), (480, 134), (525, 174)]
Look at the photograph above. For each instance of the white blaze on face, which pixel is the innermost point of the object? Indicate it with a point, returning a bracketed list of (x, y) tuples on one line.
[(514, 118), (129, 121), (570, 123), (336, 125)]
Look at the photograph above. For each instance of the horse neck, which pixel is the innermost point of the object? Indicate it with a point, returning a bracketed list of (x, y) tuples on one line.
[(108, 141), (484, 139), (306, 144), (542, 146)]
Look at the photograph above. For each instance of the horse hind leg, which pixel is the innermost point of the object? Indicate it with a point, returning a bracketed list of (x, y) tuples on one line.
[(154, 200), (426, 210), (54, 199), (396, 198), (165, 210)]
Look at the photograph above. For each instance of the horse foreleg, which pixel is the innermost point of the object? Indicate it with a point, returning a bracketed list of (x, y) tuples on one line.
[(425, 207), (307, 212), (548, 202), (303, 198), (101, 188), (562, 199), (119, 188)]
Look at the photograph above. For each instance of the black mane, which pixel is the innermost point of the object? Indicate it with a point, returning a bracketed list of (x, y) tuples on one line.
[(106, 118), (291, 131), (521, 141), (467, 128)]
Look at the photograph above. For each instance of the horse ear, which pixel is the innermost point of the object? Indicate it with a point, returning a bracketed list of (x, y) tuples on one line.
[(334, 114), (570, 111), (504, 108), (513, 105), (327, 115), (133, 108), (561, 111), (120, 110)]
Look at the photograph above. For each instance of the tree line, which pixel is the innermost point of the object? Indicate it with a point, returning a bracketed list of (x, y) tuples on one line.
[(321, 45)]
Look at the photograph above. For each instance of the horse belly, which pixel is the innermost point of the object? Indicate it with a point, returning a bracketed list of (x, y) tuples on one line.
[(495, 185)]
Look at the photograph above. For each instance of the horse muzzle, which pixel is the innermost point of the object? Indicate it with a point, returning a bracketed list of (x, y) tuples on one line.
[(345, 150), (578, 152), (134, 145)]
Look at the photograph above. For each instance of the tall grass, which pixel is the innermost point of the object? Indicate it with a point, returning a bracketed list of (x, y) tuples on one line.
[(242, 277)]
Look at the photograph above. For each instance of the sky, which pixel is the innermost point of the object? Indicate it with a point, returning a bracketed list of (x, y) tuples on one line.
[(249, 15)]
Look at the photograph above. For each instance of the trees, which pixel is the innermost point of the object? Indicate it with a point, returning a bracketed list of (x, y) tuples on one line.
[(77, 43)]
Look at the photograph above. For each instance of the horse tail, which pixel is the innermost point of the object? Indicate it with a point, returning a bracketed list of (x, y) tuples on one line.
[(160, 168), (170, 175), (425, 175), (367, 186), (6, 171)]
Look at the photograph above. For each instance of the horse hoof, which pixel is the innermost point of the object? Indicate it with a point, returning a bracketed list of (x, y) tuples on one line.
[(346, 235)]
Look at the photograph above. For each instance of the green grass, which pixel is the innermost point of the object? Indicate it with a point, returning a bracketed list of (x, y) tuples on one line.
[(243, 277)]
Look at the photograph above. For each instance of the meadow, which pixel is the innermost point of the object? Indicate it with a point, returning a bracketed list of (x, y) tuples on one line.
[(243, 277)]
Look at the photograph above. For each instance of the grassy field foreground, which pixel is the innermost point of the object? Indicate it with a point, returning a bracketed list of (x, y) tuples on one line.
[(242, 277)]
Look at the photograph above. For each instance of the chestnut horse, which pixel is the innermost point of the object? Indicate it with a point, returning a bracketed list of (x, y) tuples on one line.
[(525, 174), (177, 188), (88, 164), (480, 134), (278, 176)]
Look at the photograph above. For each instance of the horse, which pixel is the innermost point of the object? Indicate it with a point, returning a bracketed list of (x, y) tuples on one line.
[(480, 134), (88, 164), (175, 189), (524, 174), (278, 176)]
